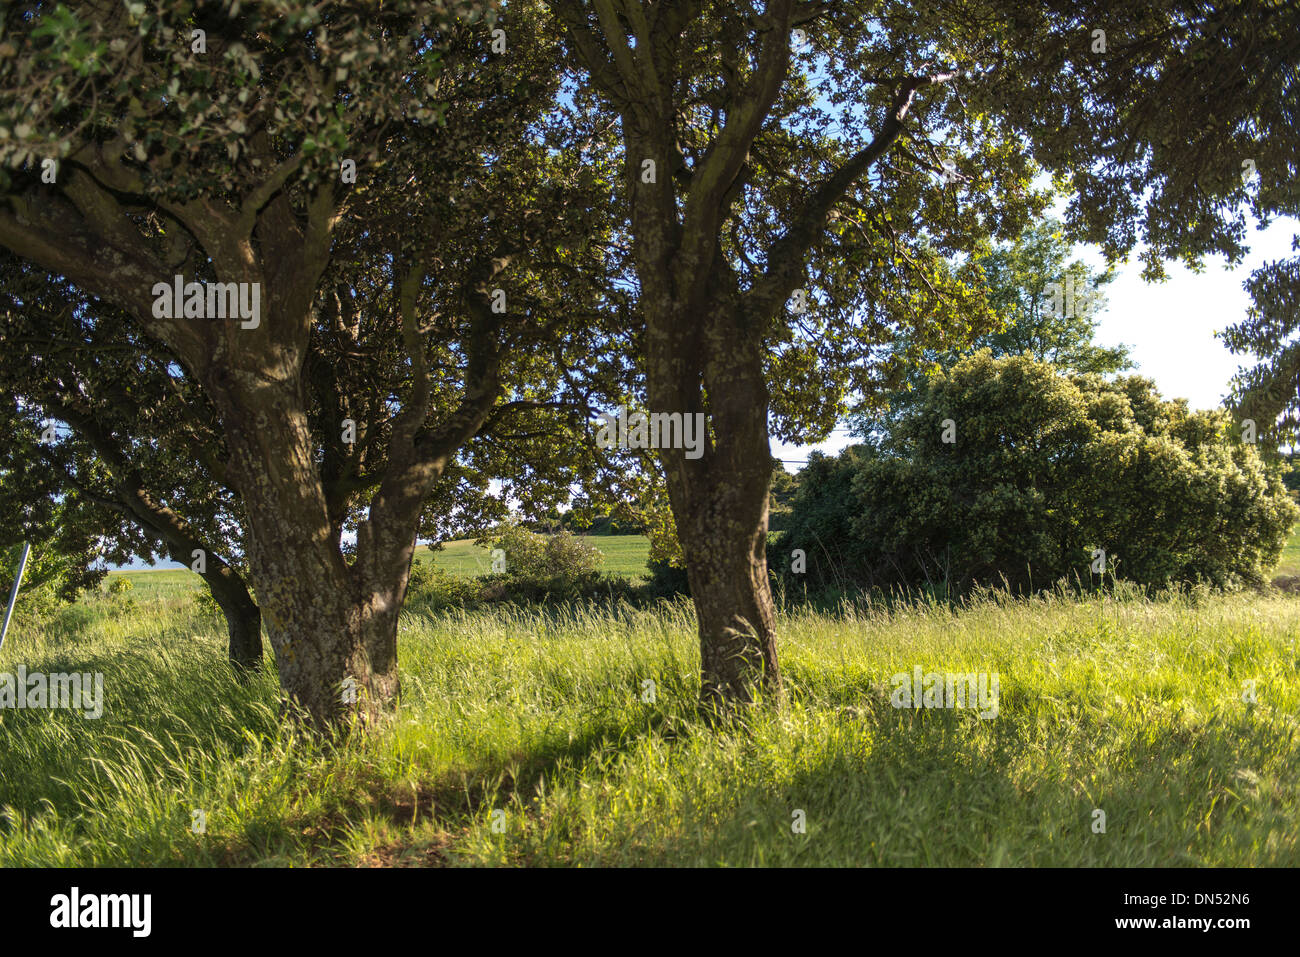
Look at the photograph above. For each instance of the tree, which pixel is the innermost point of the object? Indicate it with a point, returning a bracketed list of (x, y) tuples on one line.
[(1006, 472), (57, 540), (369, 181), (129, 468), (1191, 112), (1047, 307), (784, 488), (1049, 304), (797, 198)]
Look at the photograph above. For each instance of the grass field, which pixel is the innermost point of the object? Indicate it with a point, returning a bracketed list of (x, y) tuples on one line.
[(1132, 707), (1289, 563), (624, 555)]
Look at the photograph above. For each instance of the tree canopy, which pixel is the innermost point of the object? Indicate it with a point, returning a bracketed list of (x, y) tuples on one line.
[(1009, 473), (401, 206)]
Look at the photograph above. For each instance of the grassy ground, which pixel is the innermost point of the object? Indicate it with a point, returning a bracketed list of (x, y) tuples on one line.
[(151, 583), (1134, 708), (624, 555), (1289, 563)]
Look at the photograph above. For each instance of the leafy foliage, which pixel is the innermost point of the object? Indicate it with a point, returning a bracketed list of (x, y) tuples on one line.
[(1017, 276), (435, 588), (1045, 468), (545, 566)]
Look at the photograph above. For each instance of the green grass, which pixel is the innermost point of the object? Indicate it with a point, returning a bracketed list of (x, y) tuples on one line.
[(1289, 563), (151, 583), (624, 555), (1133, 707)]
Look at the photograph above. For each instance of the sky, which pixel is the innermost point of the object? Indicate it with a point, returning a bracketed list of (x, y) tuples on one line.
[(1168, 326)]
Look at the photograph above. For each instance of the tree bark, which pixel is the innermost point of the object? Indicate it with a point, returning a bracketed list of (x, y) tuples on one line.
[(723, 534), (720, 500), (335, 640), (243, 618)]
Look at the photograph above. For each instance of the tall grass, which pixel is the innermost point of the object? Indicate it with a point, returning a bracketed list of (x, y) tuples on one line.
[(1129, 706)]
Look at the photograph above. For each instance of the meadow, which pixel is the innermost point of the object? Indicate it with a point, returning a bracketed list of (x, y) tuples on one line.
[(568, 736), (625, 555)]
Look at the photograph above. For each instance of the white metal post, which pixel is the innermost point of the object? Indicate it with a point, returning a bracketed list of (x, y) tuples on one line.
[(13, 592)]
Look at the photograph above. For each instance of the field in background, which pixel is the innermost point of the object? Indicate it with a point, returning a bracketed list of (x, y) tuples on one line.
[(149, 583), (625, 555), (1289, 563), (1132, 707)]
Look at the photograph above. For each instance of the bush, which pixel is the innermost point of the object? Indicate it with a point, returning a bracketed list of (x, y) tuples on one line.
[(436, 589), (205, 604), (1044, 469), (561, 558), (666, 581), (559, 567)]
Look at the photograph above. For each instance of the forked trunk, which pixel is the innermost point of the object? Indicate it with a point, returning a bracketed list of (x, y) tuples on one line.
[(334, 636), (335, 661)]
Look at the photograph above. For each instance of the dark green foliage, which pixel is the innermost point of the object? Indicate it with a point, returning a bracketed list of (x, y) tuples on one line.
[(1045, 469), (666, 580), (781, 498), (433, 589)]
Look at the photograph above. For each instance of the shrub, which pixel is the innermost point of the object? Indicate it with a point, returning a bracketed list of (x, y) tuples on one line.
[(205, 604), (436, 589), (560, 567), (1045, 468), (666, 580), (561, 557)]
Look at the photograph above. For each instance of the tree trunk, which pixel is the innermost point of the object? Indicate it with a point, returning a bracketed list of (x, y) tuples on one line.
[(334, 636), (720, 500), (336, 661), (243, 618), (723, 535)]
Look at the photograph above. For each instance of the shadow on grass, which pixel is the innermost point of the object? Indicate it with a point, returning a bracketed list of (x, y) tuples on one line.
[(926, 791)]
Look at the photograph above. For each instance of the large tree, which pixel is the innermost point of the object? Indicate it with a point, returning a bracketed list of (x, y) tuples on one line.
[(1047, 305), (802, 179), (117, 443), (793, 199), (400, 316), (1187, 118)]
